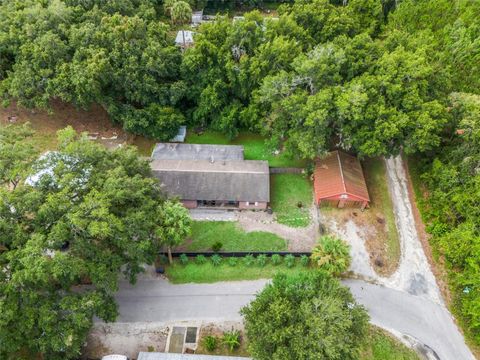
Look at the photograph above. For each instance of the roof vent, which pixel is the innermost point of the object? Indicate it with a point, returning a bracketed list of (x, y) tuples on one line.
[(212, 160)]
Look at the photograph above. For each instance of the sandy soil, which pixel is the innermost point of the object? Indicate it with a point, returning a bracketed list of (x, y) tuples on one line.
[(125, 338)]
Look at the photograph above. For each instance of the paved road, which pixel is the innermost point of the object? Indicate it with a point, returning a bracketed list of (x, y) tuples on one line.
[(152, 300)]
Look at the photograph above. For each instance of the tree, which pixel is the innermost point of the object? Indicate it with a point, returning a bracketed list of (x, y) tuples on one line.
[(181, 12), (331, 255), (17, 153), (306, 316), (92, 214), (175, 225)]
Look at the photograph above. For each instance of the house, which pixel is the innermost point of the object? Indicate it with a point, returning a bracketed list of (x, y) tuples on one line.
[(181, 135), (339, 181), (184, 38), (169, 151), (242, 184)]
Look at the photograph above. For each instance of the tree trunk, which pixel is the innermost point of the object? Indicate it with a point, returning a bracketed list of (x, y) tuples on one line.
[(170, 258)]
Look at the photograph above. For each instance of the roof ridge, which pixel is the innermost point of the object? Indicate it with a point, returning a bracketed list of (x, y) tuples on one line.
[(341, 171)]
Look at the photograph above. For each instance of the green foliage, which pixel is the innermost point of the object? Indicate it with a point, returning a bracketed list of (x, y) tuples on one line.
[(261, 260), (210, 343), (216, 260), (303, 317), (17, 153), (231, 339), (248, 260), (232, 261), (217, 246), (200, 259), (332, 255), (106, 209), (183, 259), (304, 260), (289, 260), (180, 12), (276, 259)]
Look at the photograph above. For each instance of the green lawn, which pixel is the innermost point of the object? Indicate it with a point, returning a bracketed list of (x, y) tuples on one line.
[(254, 146), (287, 190), (382, 346), (233, 238), (208, 273)]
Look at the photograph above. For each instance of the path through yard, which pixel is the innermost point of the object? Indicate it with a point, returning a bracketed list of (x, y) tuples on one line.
[(413, 274)]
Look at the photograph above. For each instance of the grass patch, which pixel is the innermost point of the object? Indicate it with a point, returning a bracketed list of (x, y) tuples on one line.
[(233, 238), (255, 147), (382, 346), (208, 273), (381, 204), (287, 190)]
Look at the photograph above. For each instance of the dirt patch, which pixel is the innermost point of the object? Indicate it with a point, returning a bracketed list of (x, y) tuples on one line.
[(95, 121), (125, 338), (217, 331), (374, 232), (298, 239)]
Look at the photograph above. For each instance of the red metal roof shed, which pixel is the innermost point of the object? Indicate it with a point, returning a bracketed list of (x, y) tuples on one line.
[(339, 181)]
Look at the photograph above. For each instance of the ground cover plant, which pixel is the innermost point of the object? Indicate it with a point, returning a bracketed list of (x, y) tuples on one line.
[(228, 270), (382, 346), (291, 199), (206, 233)]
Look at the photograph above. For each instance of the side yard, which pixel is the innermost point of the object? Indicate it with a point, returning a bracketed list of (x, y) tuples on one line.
[(232, 238)]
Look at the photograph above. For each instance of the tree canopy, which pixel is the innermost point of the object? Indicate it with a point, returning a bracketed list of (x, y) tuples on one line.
[(86, 215), (307, 316)]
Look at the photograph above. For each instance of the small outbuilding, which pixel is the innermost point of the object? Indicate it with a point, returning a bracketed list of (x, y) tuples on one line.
[(339, 181), (184, 38)]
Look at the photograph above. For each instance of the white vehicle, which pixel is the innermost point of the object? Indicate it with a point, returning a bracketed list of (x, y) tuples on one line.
[(114, 357)]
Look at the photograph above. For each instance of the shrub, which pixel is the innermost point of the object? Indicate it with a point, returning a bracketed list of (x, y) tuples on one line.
[(304, 260), (276, 259), (289, 260), (262, 260), (231, 339), (331, 255), (162, 259), (233, 261), (248, 260), (183, 259), (216, 260), (210, 343), (217, 246), (201, 259)]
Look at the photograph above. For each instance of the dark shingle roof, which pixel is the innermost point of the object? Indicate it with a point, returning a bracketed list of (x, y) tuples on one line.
[(244, 180)]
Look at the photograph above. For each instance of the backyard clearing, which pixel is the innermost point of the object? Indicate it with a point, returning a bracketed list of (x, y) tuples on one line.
[(291, 199), (376, 224), (206, 233)]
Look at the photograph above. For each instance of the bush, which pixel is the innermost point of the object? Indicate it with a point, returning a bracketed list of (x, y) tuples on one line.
[(248, 260), (201, 259), (183, 259), (290, 260), (162, 259), (304, 260), (331, 255), (217, 246), (216, 260), (210, 343), (276, 259), (262, 260), (231, 339), (233, 261)]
